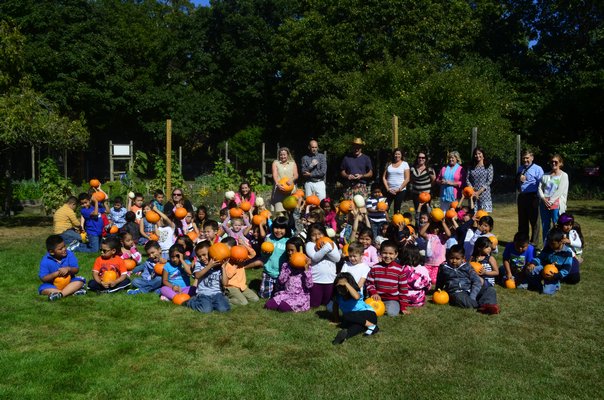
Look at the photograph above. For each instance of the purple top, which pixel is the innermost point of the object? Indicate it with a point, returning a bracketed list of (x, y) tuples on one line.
[(296, 283)]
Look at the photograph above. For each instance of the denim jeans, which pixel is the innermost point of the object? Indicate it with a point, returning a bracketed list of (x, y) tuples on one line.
[(70, 235), (147, 286), (207, 304), (93, 245), (548, 217)]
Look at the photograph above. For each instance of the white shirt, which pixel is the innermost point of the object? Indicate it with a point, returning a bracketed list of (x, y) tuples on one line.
[(358, 271), (396, 176), (323, 262)]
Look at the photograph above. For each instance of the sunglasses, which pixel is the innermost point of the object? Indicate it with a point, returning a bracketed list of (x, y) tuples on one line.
[(421, 158), (176, 194), (555, 162)]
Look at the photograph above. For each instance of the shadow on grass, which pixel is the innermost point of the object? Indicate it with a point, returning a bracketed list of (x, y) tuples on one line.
[(30, 220), (590, 212), (255, 285)]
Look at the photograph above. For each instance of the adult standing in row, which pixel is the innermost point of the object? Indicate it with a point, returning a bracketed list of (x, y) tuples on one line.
[(528, 179), (178, 198), (395, 178), (451, 179), (283, 167), (422, 177), (553, 191), (356, 170), (314, 168), (480, 178)]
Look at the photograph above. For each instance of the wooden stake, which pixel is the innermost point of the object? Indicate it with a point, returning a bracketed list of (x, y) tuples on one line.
[(394, 131), (168, 157)]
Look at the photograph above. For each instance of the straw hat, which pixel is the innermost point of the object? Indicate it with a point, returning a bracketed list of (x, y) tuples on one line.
[(358, 141)]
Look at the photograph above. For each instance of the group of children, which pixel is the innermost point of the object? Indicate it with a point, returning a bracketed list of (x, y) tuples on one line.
[(341, 264)]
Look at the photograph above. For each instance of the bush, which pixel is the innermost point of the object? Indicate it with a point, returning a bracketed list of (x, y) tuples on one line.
[(27, 190), (56, 187)]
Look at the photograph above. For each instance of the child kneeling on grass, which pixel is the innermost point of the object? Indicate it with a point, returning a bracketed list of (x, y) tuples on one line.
[(212, 279), (148, 281), (59, 263), (357, 316), (465, 288), (562, 257), (109, 263), (236, 289)]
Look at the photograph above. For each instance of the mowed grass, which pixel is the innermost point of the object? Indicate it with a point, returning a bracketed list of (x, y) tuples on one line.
[(119, 346)]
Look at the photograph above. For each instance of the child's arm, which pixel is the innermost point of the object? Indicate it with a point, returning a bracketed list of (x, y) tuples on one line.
[(284, 275), (201, 273), (95, 212), (262, 231), (250, 250), (355, 295), (141, 229), (446, 229), (223, 277), (165, 218), (423, 231), (508, 269), (371, 289), (494, 267)]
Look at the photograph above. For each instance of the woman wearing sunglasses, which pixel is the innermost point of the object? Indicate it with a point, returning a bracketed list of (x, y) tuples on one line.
[(178, 199), (553, 191)]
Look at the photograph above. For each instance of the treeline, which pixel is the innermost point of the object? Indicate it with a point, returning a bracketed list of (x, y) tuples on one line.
[(287, 70)]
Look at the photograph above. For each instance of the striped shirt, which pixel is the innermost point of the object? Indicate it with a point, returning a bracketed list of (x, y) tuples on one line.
[(421, 180), (389, 282)]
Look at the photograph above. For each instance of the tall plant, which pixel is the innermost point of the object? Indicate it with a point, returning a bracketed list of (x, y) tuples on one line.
[(56, 187)]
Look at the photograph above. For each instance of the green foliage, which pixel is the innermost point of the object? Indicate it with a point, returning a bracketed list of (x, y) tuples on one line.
[(159, 168), (27, 190), (246, 146), (224, 176), (56, 187)]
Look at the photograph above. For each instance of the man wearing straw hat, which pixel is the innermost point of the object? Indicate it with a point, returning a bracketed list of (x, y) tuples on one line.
[(356, 170)]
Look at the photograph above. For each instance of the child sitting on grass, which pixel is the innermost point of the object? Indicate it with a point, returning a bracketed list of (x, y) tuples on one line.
[(516, 256), (109, 273), (418, 277), (355, 265), (148, 281), (387, 281), (296, 283), (562, 257), (465, 288), (212, 279), (59, 263), (357, 316), (237, 290), (176, 274), (129, 249)]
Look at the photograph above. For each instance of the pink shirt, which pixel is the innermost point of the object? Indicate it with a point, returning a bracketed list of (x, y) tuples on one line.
[(370, 256), (436, 244)]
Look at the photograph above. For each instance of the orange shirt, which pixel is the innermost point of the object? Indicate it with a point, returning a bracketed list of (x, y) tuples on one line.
[(237, 277), (114, 263)]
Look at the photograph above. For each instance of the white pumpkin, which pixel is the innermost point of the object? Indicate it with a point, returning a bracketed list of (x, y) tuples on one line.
[(359, 201)]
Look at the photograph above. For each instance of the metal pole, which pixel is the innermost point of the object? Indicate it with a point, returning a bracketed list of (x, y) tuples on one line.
[(168, 156), (111, 161), (263, 163)]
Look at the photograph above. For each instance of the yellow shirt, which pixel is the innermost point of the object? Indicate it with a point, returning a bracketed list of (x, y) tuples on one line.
[(64, 219), (237, 277)]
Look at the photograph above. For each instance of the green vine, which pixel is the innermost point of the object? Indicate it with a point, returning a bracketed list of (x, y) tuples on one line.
[(56, 188)]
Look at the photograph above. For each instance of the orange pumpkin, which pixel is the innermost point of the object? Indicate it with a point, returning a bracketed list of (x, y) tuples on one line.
[(477, 266), (267, 247), (159, 269), (180, 212), (245, 206), (510, 284), (378, 306), (114, 229), (258, 220), (313, 200), (299, 193), (220, 252), (549, 271), (239, 253), (322, 242), (455, 204), (468, 191), (61, 281), (440, 297), (109, 276), (99, 196), (382, 206), (287, 188), (437, 214), (236, 212), (130, 264), (494, 241), (345, 206), (424, 197), (345, 250), (266, 214), (411, 229), (152, 217), (153, 236), (481, 213), (451, 213), (398, 219), (193, 235), (95, 183), (180, 298), (298, 259), (290, 203)]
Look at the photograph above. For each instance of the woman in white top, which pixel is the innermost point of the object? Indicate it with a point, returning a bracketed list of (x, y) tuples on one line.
[(395, 178), (283, 167), (553, 191)]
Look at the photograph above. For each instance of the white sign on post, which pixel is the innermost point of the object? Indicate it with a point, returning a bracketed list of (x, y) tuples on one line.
[(121, 150)]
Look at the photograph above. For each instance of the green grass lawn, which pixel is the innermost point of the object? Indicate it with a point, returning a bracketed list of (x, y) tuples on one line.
[(119, 346)]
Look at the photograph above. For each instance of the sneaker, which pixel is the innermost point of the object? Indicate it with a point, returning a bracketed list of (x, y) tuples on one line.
[(73, 245), (80, 292), (134, 291), (55, 296), (489, 309), (371, 332), (164, 298), (340, 337)]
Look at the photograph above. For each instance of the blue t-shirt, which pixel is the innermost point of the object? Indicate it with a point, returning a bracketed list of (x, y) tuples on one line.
[(93, 225), (49, 264), (148, 271), (274, 262), (352, 305), (177, 275), (210, 283), (518, 260)]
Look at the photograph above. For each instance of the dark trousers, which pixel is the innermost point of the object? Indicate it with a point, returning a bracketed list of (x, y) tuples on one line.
[(528, 214), (487, 295), (397, 199), (354, 322), (97, 287)]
